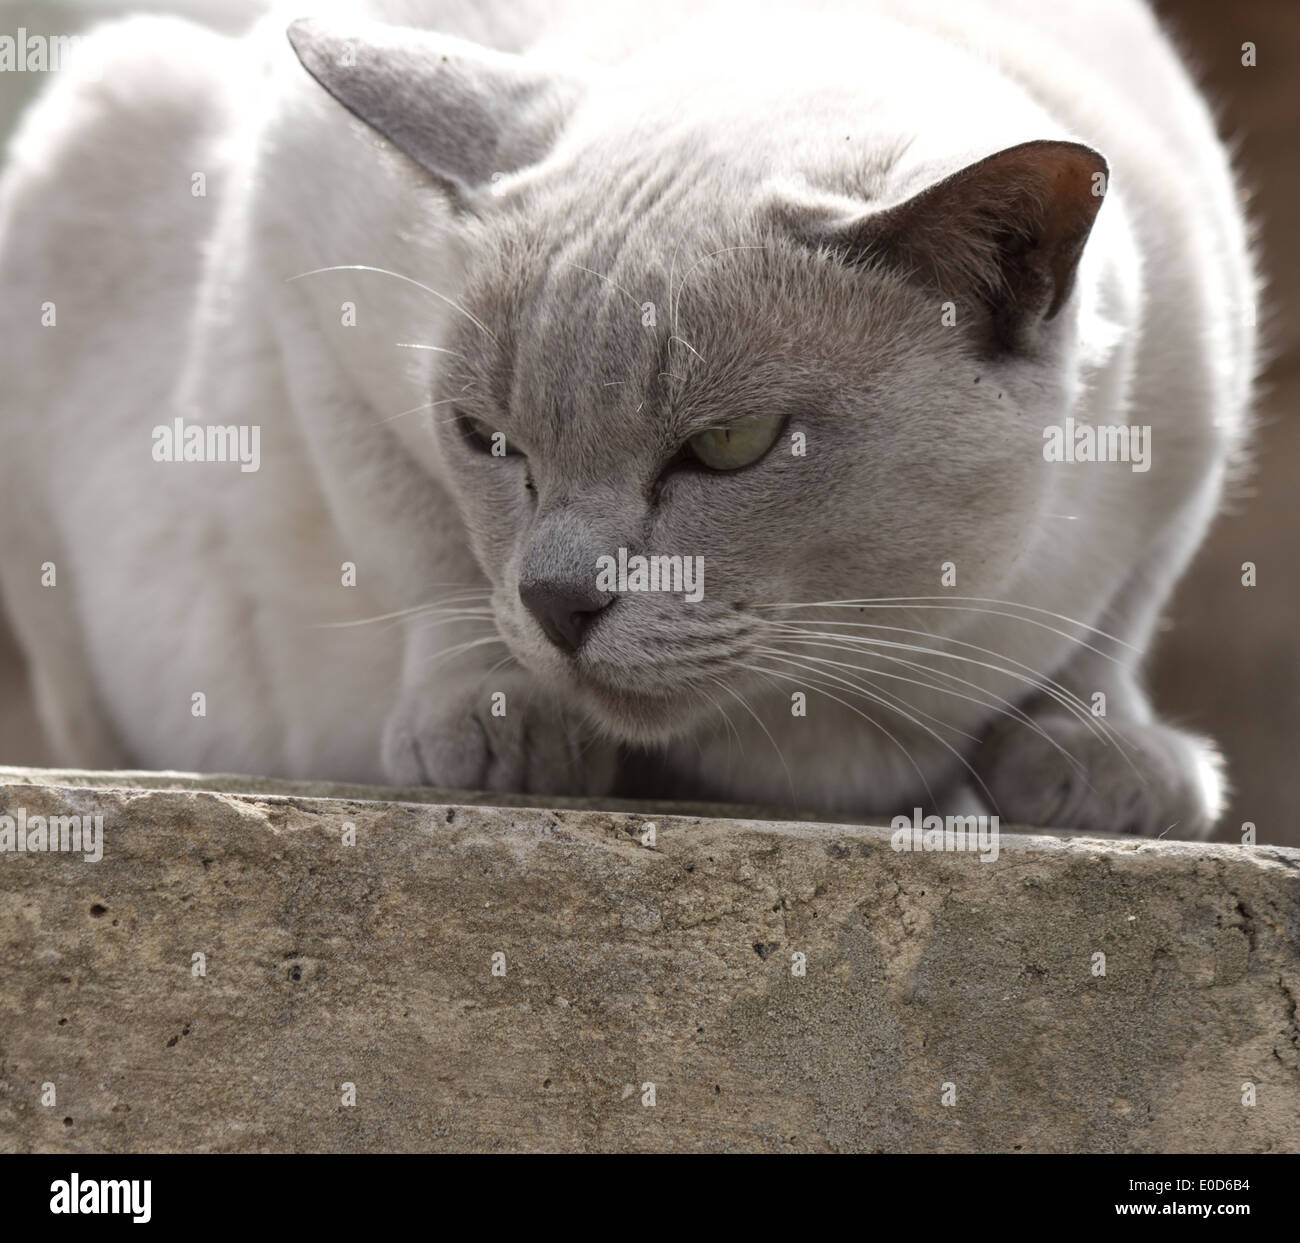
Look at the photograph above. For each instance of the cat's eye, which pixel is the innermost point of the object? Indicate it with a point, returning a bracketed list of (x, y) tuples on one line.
[(738, 444), (478, 435)]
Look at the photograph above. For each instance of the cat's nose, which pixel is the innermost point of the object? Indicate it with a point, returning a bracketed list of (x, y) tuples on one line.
[(564, 610)]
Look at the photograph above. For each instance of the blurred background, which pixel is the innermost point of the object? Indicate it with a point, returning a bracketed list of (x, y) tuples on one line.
[(1227, 663)]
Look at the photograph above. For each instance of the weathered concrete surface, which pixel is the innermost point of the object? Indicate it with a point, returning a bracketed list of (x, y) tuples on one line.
[(628, 965)]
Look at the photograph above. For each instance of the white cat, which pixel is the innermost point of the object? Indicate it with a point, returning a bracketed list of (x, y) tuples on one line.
[(800, 291)]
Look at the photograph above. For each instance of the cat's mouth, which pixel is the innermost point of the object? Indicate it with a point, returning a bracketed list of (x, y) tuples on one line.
[(641, 682)]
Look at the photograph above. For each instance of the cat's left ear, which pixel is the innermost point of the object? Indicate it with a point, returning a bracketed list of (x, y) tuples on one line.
[(461, 111), (1003, 235)]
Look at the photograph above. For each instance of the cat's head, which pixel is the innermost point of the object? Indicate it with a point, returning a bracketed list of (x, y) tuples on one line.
[(806, 368)]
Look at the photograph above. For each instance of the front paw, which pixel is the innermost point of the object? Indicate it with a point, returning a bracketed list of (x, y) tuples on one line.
[(507, 738), (1102, 777)]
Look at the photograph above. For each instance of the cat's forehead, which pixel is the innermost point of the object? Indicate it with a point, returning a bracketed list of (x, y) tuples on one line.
[(624, 315), (618, 302), (625, 337)]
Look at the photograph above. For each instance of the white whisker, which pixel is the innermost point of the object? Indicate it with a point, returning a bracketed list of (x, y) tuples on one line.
[(437, 349), (794, 798), (604, 278), (905, 602), (1032, 677), (454, 599), (1007, 708), (410, 280), (674, 304), (961, 759), (789, 677), (688, 345), (428, 405)]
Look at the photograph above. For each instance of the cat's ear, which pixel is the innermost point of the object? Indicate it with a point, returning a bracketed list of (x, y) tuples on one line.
[(1007, 232), (461, 111)]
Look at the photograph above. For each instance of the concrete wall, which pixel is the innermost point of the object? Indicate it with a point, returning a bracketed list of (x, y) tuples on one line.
[(625, 965)]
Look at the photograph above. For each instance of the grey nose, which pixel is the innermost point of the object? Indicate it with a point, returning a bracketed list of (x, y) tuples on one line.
[(564, 610)]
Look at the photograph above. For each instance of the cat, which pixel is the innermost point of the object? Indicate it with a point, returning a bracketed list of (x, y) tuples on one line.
[(360, 369)]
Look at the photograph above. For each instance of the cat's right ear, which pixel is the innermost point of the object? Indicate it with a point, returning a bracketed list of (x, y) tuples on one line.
[(1003, 235), (461, 111)]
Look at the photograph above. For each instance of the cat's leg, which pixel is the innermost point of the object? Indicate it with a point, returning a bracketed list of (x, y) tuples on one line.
[(489, 729), (1120, 775), (1122, 770), (501, 733), (67, 699)]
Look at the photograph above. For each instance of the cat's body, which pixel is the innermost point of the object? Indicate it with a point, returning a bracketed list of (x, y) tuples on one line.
[(710, 166)]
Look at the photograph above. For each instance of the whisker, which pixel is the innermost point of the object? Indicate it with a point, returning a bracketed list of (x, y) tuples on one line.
[(428, 405), (794, 798), (459, 649), (1061, 695), (1032, 621), (908, 716), (869, 650), (1007, 709), (906, 602), (1003, 706), (410, 280), (1040, 682), (869, 674), (688, 345), (507, 659), (410, 612), (789, 677), (461, 617), (731, 726), (672, 267), (437, 349), (674, 304), (604, 278)]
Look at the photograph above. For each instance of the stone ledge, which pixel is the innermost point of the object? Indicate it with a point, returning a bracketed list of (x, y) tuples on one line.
[(626, 965)]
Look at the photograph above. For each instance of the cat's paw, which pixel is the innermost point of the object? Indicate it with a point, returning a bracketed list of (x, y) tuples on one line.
[(509, 739), (1147, 779)]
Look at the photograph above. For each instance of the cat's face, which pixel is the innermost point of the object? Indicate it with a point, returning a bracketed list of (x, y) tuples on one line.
[(868, 443), (823, 393)]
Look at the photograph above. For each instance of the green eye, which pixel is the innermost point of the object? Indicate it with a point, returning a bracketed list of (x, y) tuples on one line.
[(738, 444)]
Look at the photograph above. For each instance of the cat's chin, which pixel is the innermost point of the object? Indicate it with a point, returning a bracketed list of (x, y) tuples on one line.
[(640, 717)]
